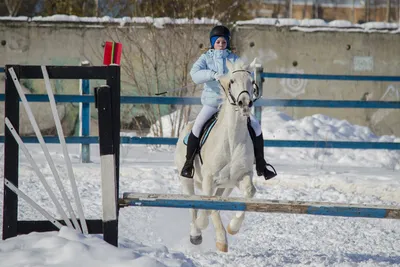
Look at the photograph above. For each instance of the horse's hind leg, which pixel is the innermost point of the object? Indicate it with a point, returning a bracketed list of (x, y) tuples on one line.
[(247, 188), (195, 233)]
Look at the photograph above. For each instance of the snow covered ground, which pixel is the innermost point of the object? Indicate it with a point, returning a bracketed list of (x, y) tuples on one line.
[(160, 236)]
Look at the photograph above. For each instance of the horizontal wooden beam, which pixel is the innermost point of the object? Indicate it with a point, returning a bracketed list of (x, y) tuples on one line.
[(258, 205), (64, 72)]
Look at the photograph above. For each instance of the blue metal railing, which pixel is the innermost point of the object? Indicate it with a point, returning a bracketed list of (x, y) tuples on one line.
[(331, 77), (194, 101), (167, 100), (172, 141), (86, 99), (84, 125)]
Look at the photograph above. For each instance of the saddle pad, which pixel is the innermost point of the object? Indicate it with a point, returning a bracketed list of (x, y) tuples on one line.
[(208, 127), (204, 133)]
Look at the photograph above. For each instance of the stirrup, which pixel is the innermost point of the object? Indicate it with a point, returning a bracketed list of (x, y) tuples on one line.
[(267, 173), (185, 170)]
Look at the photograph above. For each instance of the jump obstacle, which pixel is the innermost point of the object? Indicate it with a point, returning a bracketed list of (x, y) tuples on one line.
[(109, 143), (107, 101), (257, 205), (220, 203)]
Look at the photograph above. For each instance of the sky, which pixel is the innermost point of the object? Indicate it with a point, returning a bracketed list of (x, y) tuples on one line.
[(155, 237)]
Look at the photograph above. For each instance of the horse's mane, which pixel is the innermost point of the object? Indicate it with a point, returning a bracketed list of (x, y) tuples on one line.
[(237, 65)]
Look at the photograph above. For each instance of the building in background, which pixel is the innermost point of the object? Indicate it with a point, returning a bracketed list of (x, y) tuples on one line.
[(355, 11)]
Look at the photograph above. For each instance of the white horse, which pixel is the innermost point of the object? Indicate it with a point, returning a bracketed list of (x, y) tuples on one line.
[(227, 155)]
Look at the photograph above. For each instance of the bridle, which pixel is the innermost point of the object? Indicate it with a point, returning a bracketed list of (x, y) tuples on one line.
[(233, 101)]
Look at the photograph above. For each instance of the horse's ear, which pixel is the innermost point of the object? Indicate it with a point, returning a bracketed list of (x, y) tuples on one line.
[(240, 65), (254, 63)]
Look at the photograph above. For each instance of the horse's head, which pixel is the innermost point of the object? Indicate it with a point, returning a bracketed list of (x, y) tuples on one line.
[(240, 89)]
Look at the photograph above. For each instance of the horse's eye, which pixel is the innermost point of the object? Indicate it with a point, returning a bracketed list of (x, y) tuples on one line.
[(231, 81)]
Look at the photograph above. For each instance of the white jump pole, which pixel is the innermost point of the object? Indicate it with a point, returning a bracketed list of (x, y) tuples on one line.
[(32, 203), (38, 172), (65, 150), (35, 126)]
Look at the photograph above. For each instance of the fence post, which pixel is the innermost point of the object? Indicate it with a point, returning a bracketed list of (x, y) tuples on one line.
[(259, 81), (84, 117), (11, 157), (103, 99)]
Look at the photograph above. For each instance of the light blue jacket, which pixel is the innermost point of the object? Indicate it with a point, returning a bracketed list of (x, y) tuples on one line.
[(204, 70)]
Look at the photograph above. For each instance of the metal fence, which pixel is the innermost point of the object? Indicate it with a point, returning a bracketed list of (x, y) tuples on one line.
[(86, 99)]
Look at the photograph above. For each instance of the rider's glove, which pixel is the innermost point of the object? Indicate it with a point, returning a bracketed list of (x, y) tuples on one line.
[(217, 76)]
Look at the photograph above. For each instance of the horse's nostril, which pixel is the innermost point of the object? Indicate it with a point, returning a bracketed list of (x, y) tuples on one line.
[(240, 103)]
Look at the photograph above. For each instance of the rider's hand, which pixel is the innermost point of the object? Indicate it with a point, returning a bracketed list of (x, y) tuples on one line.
[(217, 76)]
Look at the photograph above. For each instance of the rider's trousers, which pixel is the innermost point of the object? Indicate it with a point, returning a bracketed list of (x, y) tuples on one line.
[(207, 111)]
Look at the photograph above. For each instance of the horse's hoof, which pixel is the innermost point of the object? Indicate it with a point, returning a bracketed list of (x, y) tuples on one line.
[(196, 240), (230, 231), (222, 247)]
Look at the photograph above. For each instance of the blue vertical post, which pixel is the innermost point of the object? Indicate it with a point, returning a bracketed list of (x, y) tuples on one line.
[(84, 118), (259, 81)]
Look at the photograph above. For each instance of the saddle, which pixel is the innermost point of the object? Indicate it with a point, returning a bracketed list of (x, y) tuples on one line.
[(208, 126)]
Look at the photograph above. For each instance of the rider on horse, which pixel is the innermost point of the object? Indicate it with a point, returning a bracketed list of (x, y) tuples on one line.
[(208, 69)]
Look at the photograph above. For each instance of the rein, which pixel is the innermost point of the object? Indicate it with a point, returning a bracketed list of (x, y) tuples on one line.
[(233, 101)]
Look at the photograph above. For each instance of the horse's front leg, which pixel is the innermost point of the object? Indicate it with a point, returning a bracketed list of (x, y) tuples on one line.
[(202, 215), (195, 232), (246, 186), (220, 232)]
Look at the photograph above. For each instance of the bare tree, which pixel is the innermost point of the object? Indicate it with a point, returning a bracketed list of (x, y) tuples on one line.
[(223, 10), (367, 10), (155, 60), (28, 8), (387, 10), (305, 7), (68, 7), (290, 8), (13, 7), (398, 12), (315, 9), (96, 8)]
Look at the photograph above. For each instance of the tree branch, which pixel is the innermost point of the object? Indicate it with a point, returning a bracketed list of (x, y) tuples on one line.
[(13, 9)]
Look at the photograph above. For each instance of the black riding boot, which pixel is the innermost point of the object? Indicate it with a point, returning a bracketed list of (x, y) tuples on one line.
[(192, 145), (261, 164)]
